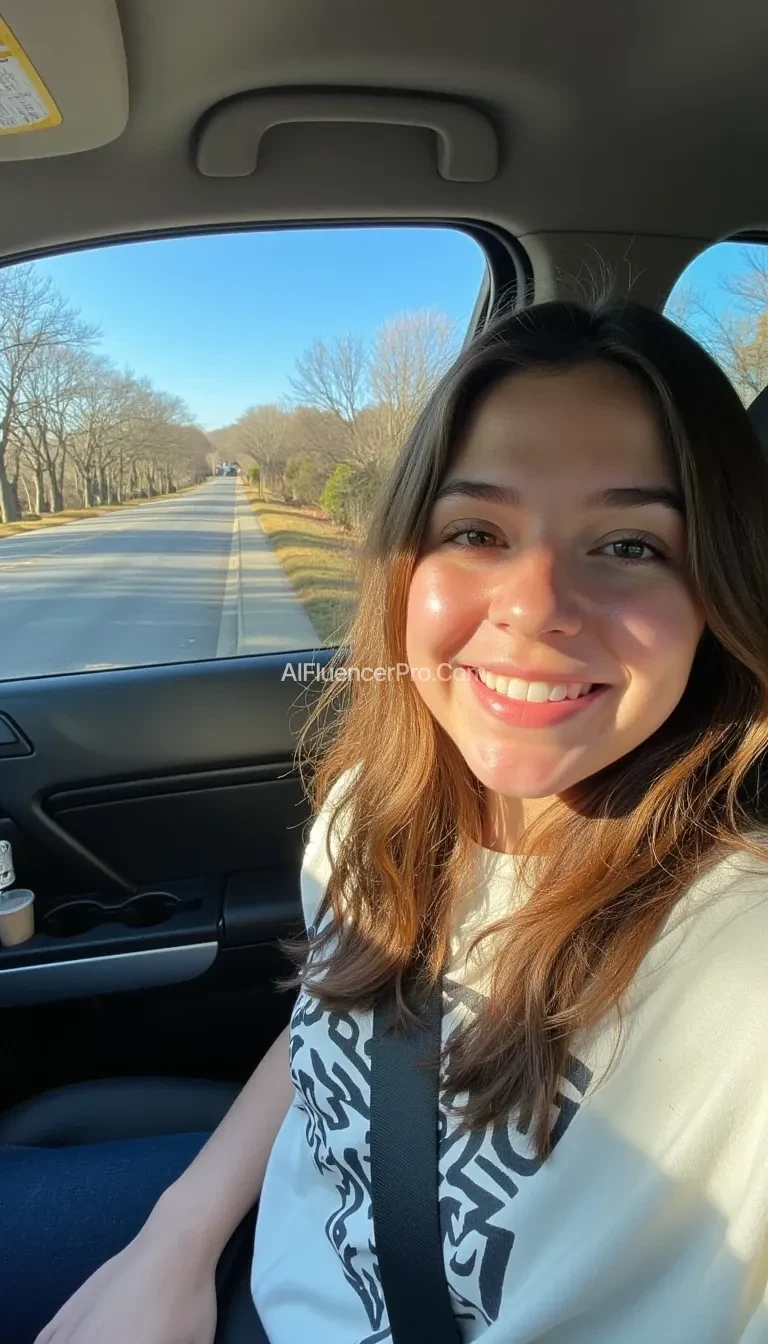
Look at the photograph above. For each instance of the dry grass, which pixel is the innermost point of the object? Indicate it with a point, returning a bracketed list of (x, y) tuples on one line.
[(319, 559), (31, 522)]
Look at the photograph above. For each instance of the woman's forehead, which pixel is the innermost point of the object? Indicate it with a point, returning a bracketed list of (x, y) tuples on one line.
[(594, 418)]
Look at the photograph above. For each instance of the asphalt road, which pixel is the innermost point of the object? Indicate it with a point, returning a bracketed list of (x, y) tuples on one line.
[(181, 579)]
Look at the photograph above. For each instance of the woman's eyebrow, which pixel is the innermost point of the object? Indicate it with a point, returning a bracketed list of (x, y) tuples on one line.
[(624, 496), (615, 497)]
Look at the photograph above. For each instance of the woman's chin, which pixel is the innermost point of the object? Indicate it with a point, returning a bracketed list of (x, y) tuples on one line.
[(517, 778)]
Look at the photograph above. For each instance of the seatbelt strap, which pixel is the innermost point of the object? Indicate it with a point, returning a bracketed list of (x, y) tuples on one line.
[(404, 1177)]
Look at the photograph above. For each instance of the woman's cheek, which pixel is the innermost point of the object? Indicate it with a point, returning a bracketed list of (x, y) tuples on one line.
[(657, 634), (653, 637), (444, 610)]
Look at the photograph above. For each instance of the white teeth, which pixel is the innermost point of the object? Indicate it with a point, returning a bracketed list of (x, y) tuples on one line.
[(518, 690), (578, 689), (535, 692)]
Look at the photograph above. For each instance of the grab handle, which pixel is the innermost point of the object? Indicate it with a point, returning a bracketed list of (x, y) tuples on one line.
[(467, 147)]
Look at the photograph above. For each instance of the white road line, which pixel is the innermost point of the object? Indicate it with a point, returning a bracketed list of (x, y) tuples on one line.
[(230, 623)]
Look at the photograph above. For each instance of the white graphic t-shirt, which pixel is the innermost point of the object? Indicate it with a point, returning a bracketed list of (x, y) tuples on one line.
[(649, 1221)]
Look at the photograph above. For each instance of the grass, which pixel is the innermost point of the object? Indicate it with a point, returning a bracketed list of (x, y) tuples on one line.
[(30, 522), (318, 558)]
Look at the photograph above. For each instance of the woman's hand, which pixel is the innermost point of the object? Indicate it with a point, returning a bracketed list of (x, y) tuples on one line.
[(153, 1292)]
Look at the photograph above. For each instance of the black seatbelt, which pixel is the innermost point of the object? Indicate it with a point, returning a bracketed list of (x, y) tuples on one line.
[(404, 1177)]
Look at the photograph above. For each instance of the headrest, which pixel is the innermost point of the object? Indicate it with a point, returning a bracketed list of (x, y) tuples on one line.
[(758, 414)]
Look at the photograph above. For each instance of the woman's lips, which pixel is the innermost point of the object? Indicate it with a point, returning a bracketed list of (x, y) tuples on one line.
[(527, 714)]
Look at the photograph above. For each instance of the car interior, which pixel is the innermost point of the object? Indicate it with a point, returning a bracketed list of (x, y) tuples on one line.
[(156, 811)]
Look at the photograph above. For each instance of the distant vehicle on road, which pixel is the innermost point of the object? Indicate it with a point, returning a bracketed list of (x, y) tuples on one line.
[(228, 469)]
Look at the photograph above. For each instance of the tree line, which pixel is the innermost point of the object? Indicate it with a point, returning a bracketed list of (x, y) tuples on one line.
[(334, 438), (74, 429)]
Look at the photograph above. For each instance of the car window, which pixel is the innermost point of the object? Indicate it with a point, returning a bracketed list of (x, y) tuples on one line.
[(722, 299), (193, 429)]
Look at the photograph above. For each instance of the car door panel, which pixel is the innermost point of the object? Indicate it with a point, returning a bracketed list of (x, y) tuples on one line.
[(248, 818), (160, 821)]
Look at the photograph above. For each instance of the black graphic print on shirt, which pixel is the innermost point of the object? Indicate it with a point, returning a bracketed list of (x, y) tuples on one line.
[(479, 1174)]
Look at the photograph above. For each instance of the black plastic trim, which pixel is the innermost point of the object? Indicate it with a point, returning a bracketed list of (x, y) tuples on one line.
[(248, 917)]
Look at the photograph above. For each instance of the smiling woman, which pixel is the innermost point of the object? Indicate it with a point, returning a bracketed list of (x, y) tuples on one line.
[(586, 434), (549, 819)]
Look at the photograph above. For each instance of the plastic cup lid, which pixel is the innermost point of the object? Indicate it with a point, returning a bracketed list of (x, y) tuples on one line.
[(15, 900)]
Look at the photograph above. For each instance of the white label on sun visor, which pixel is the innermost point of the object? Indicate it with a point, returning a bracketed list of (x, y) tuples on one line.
[(25, 103)]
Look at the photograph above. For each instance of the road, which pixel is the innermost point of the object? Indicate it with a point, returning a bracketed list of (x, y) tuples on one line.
[(184, 578)]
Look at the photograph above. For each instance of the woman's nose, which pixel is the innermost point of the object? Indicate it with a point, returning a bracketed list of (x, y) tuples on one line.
[(534, 595)]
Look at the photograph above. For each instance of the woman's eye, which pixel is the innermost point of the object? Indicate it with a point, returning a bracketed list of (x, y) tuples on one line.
[(635, 545), (477, 537)]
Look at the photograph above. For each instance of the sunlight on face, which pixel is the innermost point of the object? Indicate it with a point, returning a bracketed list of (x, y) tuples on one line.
[(540, 583)]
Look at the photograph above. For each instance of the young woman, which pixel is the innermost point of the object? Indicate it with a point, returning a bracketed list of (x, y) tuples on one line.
[(551, 794)]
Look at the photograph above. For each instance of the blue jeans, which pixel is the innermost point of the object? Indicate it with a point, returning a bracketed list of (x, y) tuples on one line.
[(64, 1211)]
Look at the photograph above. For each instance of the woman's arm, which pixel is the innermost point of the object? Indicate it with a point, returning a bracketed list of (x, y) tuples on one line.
[(216, 1191)]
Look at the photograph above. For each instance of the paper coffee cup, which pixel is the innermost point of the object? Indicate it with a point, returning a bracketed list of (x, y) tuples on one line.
[(17, 917)]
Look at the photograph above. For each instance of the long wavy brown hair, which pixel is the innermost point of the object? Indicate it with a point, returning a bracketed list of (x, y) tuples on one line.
[(609, 870)]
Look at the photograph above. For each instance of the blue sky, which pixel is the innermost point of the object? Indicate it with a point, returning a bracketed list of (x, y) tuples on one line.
[(706, 273), (220, 319), (711, 266)]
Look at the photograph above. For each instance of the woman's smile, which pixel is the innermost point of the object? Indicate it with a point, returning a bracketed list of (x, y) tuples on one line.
[(543, 707)]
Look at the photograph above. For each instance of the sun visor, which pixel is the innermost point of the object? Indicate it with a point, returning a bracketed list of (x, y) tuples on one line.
[(63, 80)]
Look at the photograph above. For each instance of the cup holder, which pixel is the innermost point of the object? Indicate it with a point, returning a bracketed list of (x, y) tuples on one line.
[(143, 912), (140, 912), (70, 920)]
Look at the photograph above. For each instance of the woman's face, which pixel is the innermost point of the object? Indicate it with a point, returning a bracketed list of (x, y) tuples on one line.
[(554, 560)]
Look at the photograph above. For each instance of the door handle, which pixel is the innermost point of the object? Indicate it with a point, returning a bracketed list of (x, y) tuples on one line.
[(12, 740)]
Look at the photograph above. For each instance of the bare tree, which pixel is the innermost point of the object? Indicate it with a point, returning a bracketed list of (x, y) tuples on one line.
[(410, 353), (319, 433), (750, 286), (51, 384), (735, 332), (97, 413), (741, 347), (148, 442), (31, 436), (262, 433), (332, 376), (683, 305), (34, 318), (61, 383), (374, 395)]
